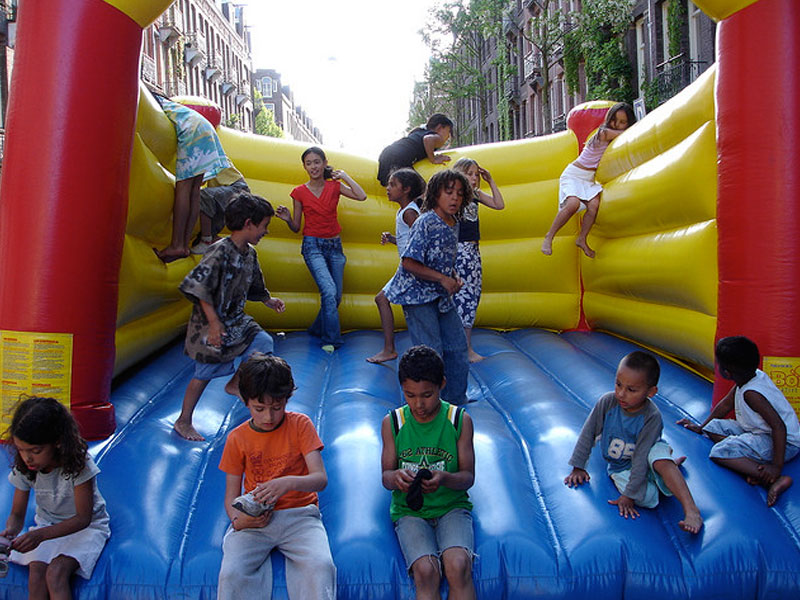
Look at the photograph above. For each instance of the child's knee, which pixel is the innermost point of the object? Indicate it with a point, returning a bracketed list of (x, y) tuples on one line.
[(426, 571), (457, 565), (59, 571)]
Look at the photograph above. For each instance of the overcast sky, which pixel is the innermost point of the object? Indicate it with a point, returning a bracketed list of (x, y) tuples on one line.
[(350, 63)]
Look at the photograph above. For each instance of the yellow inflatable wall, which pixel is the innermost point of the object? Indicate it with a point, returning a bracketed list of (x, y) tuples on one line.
[(641, 284)]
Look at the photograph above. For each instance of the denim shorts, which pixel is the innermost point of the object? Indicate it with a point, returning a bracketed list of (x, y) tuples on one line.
[(208, 371), (661, 450), (739, 443), (430, 537)]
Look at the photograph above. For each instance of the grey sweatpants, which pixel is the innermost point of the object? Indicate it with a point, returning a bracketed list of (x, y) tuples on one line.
[(299, 534)]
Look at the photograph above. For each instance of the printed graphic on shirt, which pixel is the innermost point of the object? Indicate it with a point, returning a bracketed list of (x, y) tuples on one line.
[(618, 448), (432, 464), (262, 465)]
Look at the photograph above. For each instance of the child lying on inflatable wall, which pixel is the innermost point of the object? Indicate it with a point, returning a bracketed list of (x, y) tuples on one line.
[(629, 427)]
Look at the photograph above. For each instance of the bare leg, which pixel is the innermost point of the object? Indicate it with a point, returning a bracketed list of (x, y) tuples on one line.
[(387, 325), (564, 214), (586, 225), (183, 425), (458, 570), (37, 583), (181, 212), (205, 226), (671, 474), (427, 577), (194, 210), (58, 574), (473, 356), (749, 468), (232, 387)]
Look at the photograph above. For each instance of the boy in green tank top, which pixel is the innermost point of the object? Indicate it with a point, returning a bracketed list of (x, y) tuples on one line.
[(427, 448)]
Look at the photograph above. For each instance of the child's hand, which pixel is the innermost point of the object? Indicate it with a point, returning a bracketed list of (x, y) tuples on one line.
[(485, 175), (28, 541), (401, 479), (270, 492), (439, 159), (626, 507), (283, 212), (338, 174), (387, 238), (451, 285), (275, 304), (690, 425), (245, 521), (576, 477), (216, 331), (432, 484)]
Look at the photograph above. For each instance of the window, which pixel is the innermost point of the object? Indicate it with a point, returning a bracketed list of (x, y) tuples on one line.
[(640, 66), (270, 106), (694, 31), (665, 30), (266, 87)]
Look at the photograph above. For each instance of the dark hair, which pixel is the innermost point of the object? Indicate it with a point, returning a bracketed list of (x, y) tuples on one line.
[(738, 354), (327, 173), (437, 119), (442, 180), (645, 363), (421, 363), (265, 375), (245, 206), (620, 106), (39, 421), (411, 180)]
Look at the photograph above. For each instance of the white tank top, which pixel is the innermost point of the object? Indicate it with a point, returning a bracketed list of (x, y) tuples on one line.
[(750, 420), (401, 229)]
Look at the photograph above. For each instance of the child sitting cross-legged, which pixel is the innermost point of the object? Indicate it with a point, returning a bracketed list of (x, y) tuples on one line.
[(629, 427), (276, 454), (428, 462), (765, 432)]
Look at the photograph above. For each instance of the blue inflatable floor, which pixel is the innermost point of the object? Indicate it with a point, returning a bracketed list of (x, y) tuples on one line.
[(534, 536)]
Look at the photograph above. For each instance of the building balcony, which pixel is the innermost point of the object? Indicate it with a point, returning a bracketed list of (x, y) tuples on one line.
[(194, 49), (673, 75), (171, 27), (243, 94), (149, 70), (228, 84), (213, 70), (530, 66)]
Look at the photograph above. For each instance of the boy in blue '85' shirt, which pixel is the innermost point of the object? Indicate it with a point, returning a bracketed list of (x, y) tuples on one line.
[(629, 427)]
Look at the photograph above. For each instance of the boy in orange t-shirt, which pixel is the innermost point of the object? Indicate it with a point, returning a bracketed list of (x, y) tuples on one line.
[(276, 454)]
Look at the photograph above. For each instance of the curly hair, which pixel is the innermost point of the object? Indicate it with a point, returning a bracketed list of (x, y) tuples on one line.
[(442, 181), (421, 363), (738, 354), (409, 180), (39, 421)]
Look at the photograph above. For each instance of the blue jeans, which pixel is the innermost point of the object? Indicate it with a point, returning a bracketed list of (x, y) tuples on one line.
[(325, 260), (444, 333)]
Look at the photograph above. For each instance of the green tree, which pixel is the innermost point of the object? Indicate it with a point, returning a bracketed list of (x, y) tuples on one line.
[(458, 34), (265, 119)]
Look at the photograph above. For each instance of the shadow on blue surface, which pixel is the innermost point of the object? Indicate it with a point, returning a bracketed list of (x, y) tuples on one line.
[(534, 536)]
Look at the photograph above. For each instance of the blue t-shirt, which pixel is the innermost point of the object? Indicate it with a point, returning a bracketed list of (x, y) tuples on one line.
[(433, 243)]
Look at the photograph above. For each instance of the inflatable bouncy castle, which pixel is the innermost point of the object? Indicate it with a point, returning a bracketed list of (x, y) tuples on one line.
[(697, 238)]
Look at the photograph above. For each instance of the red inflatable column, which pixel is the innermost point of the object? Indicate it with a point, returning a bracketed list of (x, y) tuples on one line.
[(758, 124), (64, 191)]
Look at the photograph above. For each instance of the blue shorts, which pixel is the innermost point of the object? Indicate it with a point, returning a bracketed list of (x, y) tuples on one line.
[(430, 537), (739, 443), (208, 371), (661, 450)]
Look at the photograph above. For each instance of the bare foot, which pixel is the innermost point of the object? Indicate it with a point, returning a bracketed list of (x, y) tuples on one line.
[(475, 357), (680, 460), (692, 522), (585, 247), (382, 356), (547, 247), (782, 483), (187, 431), (167, 255)]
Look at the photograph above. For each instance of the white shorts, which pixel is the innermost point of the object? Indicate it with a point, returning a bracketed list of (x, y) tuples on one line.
[(661, 450), (84, 546), (577, 182)]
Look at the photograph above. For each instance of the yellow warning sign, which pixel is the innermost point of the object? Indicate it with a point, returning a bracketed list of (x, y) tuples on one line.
[(785, 372), (34, 364)]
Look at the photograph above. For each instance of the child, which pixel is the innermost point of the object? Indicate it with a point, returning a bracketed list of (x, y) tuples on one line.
[(422, 142), (426, 280), (219, 331), (427, 446), (276, 454), (318, 200), (199, 157), (629, 426), (405, 187), (468, 262), (577, 189), (214, 198), (71, 520), (765, 432)]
